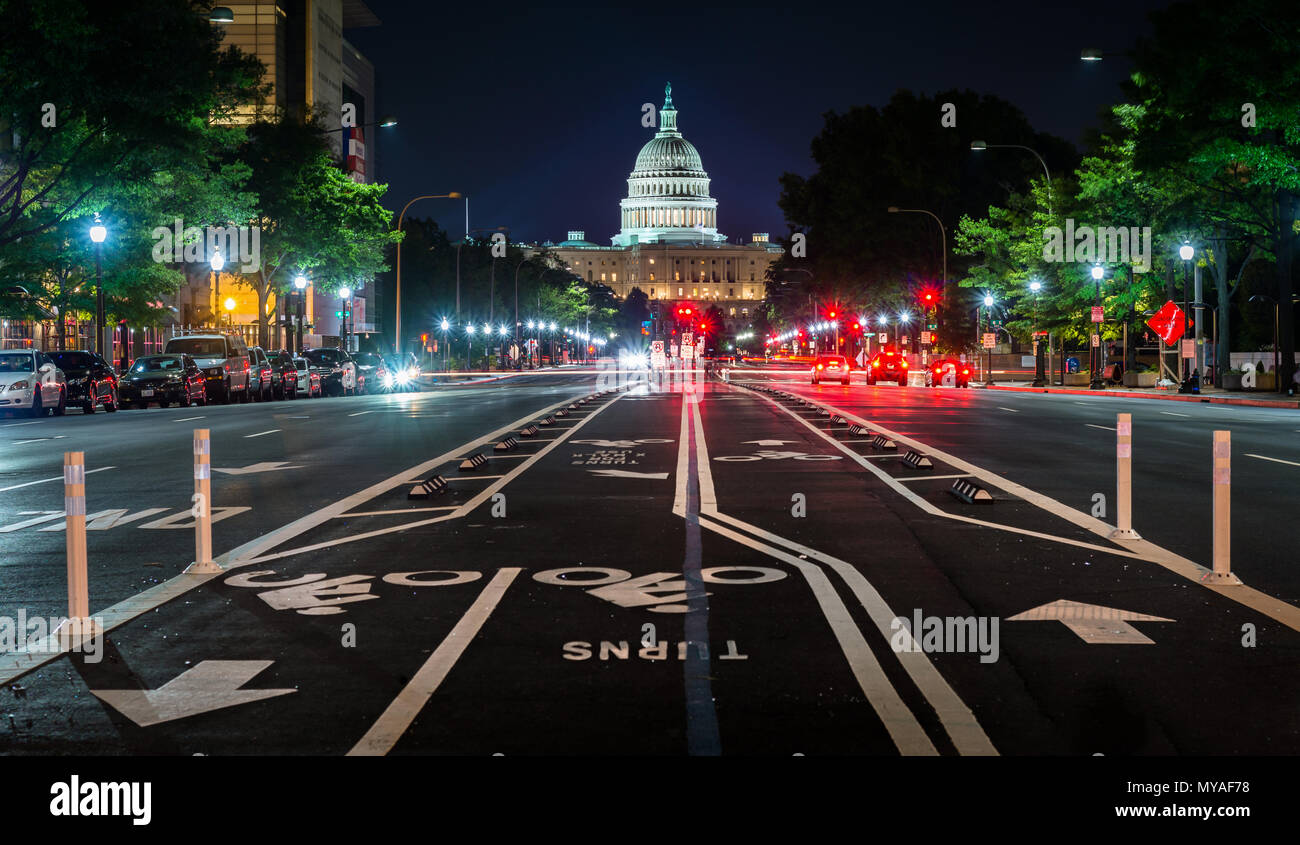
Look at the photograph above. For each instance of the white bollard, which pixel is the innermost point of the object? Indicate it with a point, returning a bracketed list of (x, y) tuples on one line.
[(78, 624), (202, 509), (1124, 480), (1222, 564)]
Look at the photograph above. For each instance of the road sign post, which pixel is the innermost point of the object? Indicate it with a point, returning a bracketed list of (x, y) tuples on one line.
[(1124, 479), (202, 499), (1222, 571)]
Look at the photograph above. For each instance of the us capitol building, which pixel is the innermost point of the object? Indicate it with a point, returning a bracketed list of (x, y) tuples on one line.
[(669, 245)]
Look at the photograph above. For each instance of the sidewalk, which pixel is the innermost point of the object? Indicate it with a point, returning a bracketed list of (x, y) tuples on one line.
[(1211, 395)]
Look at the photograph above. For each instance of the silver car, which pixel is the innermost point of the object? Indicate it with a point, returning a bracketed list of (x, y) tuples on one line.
[(30, 382)]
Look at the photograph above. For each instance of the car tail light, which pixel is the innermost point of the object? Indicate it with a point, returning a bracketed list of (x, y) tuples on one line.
[(821, 367), (965, 372), (876, 364), (904, 363), (890, 354)]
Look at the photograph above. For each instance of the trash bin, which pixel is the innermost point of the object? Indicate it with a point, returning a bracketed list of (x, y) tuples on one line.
[(1072, 365)]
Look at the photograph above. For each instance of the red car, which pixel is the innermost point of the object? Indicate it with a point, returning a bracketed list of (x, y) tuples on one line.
[(938, 369), (888, 366)]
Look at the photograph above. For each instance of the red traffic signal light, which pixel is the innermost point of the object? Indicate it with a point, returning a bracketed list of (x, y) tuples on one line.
[(831, 315), (424, 338)]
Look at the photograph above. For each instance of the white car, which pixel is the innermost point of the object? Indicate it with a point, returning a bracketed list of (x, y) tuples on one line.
[(308, 381), (29, 381)]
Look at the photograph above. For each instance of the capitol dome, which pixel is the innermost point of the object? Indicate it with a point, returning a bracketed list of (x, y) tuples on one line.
[(668, 191)]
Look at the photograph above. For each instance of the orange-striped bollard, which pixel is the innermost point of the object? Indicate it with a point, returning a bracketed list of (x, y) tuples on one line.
[(1124, 479), (78, 624), (1222, 571), (202, 499)]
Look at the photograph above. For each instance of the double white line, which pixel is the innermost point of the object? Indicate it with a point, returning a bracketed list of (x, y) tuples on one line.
[(909, 737)]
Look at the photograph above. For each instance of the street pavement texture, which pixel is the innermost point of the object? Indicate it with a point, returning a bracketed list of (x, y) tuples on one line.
[(672, 565)]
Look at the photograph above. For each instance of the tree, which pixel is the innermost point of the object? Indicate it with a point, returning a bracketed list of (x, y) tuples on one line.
[(635, 311), (98, 98), (1226, 123)]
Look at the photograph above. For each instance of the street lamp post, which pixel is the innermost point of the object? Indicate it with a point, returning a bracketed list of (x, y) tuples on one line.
[(216, 261), (300, 304), (1186, 252), (1096, 357), (978, 146), (988, 308), (98, 232), (1040, 376), (397, 322)]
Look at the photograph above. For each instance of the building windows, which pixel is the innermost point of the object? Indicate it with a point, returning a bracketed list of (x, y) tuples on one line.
[(679, 291), (589, 274), (652, 277), (731, 293), (733, 312)]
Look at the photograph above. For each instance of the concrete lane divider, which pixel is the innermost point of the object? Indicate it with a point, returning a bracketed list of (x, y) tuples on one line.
[(859, 430), (506, 445), (547, 421), (202, 505), (79, 624), (915, 460), (839, 420), (1124, 479), (573, 406), (970, 493), (429, 488), (884, 444), (1222, 571), (528, 431), (562, 413), (473, 463)]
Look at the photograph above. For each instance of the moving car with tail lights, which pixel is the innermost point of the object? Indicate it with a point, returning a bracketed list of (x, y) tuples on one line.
[(947, 368), (830, 368), (887, 366)]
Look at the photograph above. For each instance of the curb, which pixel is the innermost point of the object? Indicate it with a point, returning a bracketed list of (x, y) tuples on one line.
[(1211, 399)]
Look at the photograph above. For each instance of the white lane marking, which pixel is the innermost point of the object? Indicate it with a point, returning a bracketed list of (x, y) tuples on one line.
[(1276, 609), (15, 425), (935, 477), (399, 512), (15, 663), (39, 439), (464, 509), (211, 685), (188, 419), (910, 738), (1094, 624), (44, 480), (1107, 427), (623, 473), (464, 478), (1274, 460), (1174, 414), (1012, 410), (359, 413), (401, 712), (253, 469), (260, 433)]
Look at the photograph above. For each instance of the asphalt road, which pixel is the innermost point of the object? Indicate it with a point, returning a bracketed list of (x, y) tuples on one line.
[(679, 567)]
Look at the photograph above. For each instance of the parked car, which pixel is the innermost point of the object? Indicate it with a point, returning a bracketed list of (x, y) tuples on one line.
[(284, 374), (372, 372), (223, 360), (337, 370), (165, 379), (308, 379), (261, 375), (29, 381), (90, 379)]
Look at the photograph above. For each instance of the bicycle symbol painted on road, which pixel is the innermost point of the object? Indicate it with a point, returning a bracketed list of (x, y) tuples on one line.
[(775, 455)]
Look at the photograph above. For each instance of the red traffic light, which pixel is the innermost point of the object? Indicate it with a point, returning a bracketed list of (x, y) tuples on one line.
[(832, 315)]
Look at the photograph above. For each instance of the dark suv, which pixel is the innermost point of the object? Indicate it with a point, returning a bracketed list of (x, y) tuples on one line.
[(223, 360), (338, 372), (91, 380)]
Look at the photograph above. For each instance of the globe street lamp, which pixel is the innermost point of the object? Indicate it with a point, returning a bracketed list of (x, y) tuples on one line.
[(300, 285), (345, 293), (1040, 377), (1095, 354), (216, 261), (98, 232), (988, 308), (445, 326)]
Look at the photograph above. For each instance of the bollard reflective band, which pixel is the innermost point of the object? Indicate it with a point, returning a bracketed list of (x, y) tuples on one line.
[(1124, 450), (1124, 429), (1222, 449), (203, 447), (74, 506), (202, 471), (1223, 475), (74, 474)]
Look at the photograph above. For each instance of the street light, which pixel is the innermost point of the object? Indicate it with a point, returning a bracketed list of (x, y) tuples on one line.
[(345, 293), (221, 14), (1040, 376), (988, 307), (398, 298), (98, 232), (300, 285), (979, 146), (217, 261), (1095, 354), (1186, 252)]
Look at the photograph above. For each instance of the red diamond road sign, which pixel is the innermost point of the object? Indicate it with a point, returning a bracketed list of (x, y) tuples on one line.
[(1169, 322)]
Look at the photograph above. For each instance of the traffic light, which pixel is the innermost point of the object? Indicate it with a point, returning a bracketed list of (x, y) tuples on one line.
[(831, 314), (424, 338)]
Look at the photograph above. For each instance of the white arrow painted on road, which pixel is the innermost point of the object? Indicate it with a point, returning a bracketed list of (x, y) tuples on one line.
[(768, 442), (638, 592), (1095, 625), (623, 473), (211, 685), (265, 466)]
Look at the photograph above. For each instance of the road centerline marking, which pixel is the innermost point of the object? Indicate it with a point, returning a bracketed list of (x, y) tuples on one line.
[(1274, 460), (260, 433)]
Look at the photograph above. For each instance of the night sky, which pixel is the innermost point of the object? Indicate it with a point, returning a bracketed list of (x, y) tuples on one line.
[(535, 112)]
